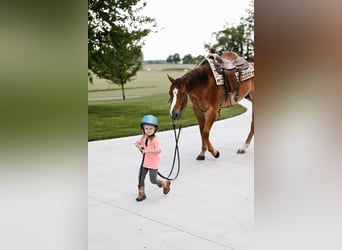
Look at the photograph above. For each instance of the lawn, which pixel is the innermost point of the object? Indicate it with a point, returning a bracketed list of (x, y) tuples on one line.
[(146, 94)]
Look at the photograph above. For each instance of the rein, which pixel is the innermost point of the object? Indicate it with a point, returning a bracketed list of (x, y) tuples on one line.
[(175, 155)]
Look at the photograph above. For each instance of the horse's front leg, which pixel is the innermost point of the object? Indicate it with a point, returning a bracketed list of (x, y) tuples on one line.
[(205, 121), (209, 120), (201, 120)]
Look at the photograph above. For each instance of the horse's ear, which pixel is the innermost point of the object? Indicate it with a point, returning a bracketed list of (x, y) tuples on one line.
[(170, 78)]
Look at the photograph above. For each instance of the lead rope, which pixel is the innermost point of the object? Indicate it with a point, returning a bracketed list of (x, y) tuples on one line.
[(175, 155)]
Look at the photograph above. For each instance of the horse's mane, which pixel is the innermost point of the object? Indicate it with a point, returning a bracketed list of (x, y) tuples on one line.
[(199, 75)]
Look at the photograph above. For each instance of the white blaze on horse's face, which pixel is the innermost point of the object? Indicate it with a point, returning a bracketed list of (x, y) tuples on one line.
[(174, 100)]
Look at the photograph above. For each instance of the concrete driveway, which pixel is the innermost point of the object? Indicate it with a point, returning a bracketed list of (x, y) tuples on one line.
[(210, 205)]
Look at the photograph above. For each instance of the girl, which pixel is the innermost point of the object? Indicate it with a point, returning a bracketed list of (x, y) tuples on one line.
[(149, 146)]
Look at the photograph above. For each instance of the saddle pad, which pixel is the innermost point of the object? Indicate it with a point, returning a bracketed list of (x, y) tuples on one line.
[(247, 73), (218, 76)]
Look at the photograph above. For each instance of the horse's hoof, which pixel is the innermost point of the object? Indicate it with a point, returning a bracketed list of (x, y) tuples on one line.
[(217, 155), (200, 158), (241, 151)]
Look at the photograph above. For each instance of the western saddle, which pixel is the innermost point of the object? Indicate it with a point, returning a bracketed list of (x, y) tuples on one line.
[(230, 65)]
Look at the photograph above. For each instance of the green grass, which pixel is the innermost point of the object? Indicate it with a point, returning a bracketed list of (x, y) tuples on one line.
[(118, 118)]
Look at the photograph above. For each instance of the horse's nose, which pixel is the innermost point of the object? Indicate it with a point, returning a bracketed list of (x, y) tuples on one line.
[(175, 115)]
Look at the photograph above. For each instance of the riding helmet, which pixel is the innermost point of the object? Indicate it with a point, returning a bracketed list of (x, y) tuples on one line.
[(150, 120)]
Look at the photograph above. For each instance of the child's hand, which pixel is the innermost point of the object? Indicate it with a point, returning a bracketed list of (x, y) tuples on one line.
[(141, 148)]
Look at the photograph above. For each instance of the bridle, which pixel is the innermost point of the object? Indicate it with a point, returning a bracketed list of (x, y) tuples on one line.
[(178, 92), (176, 135)]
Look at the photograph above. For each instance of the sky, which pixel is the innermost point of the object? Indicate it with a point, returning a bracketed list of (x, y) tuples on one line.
[(186, 25)]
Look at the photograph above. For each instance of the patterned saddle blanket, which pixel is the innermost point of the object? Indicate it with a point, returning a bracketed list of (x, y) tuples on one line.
[(216, 68)]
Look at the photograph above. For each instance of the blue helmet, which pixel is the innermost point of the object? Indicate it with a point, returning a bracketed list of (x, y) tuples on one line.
[(150, 120)]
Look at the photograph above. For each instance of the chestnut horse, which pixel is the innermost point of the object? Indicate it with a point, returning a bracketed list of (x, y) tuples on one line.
[(207, 99)]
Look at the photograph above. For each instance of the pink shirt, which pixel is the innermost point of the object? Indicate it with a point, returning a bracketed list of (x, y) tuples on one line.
[(151, 160)]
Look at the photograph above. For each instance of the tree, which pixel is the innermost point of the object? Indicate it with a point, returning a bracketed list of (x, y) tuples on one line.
[(239, 39), (173, 58), (115, 33), (187, 59), (176, 58), (230, 38), (169, 59), (198, 59), (249, 35)]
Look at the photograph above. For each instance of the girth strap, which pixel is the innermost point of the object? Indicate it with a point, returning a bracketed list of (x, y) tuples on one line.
[(231, 82)]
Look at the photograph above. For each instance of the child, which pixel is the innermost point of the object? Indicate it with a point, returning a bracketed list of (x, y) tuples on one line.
[(149, 146)]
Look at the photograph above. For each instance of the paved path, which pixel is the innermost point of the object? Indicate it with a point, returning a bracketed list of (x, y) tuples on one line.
[(210, 205)]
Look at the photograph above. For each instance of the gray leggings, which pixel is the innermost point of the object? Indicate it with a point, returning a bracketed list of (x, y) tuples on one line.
[(153, 176)]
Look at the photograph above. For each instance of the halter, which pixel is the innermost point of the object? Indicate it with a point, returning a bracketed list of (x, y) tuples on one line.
[(183, 97), (174, 100), (176, 154)]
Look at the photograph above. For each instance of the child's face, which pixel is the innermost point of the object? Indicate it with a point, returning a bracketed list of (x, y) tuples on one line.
[(149, 129)]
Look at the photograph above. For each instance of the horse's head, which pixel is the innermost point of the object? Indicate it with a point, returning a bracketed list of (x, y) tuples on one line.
[(178, 96)]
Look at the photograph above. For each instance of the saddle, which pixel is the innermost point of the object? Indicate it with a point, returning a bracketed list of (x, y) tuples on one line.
[(230, 65)]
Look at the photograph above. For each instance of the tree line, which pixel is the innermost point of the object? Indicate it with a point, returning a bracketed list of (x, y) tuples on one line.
[(187, 59), (175, 58), (115, 38)]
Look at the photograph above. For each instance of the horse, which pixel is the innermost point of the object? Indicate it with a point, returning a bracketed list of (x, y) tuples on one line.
[(207, 98)]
